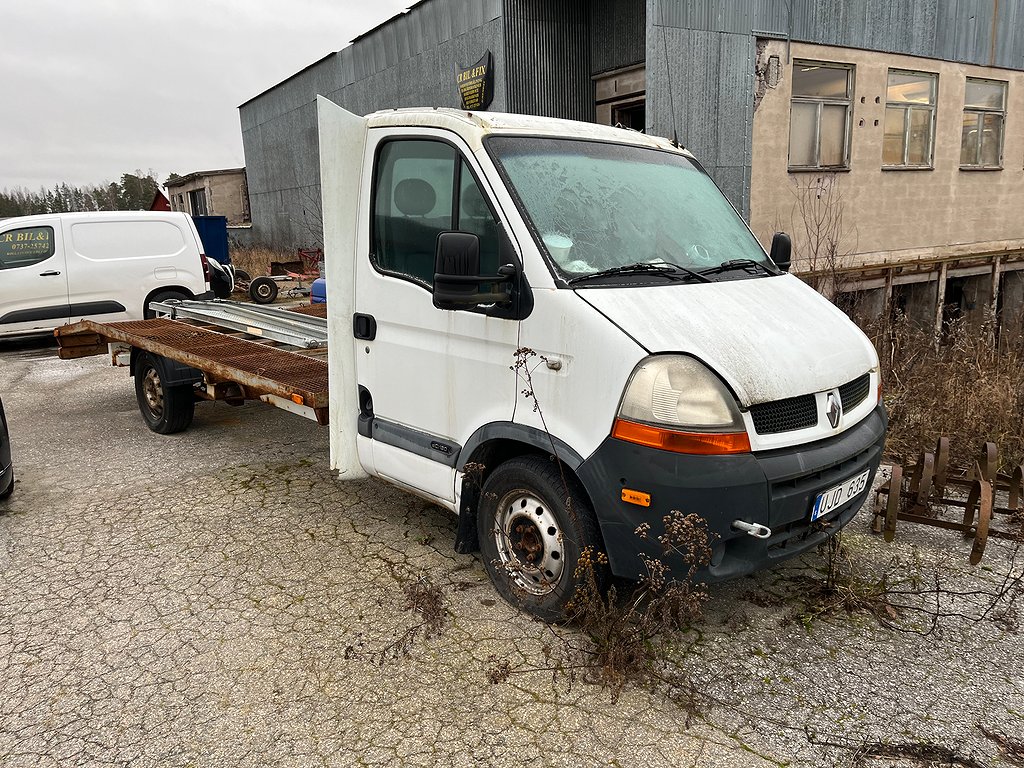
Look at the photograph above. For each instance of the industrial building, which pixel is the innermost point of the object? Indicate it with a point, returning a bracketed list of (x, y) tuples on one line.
[(886, 136)]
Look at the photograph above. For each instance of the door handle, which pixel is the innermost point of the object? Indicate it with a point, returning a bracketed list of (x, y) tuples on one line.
[(364, 326), (51, 273)]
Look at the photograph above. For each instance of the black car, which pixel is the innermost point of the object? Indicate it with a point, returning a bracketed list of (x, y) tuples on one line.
[(6, 467)]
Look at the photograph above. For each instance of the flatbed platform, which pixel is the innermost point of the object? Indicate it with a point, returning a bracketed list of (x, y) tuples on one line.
[(236, 365)]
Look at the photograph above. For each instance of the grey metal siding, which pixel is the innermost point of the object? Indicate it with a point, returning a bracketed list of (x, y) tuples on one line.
[(954, 30), (700, 88), (409, 61), (618, 34), (547, 44)]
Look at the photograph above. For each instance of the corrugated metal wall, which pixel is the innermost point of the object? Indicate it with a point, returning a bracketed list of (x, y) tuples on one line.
[(955, 30), (547, 47), (618, 34), (700, 58), (409, 61)]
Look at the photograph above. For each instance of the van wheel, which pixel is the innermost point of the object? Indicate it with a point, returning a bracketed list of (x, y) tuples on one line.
[(165, 409), (10, 490), (263, 290), (162, 296), (533, 527)]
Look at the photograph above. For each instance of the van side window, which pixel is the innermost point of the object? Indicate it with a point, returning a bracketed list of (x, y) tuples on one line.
[(25, 247), (424, 188)]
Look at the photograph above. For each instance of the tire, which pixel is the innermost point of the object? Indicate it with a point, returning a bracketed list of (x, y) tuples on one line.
[(165, 409), (524, 515), (263, 290), (162, 296), (241, 276), (6, 494)]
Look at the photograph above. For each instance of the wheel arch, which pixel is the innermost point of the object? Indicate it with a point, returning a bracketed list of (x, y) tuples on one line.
[(492, 445), (165, 289)]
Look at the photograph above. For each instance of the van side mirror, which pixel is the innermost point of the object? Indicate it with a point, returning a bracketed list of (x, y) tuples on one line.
[(457, 278), (782, 249)]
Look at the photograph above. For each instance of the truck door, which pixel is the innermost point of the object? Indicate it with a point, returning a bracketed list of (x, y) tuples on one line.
[(430, 376), (33, 277)]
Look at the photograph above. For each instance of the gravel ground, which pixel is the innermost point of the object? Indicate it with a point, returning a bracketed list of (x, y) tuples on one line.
[(217, 598)]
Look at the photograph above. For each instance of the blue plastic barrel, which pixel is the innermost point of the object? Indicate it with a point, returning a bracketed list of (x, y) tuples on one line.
[(318, 293)]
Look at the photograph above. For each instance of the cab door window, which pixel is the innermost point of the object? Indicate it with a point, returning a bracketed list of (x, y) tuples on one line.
[(25, 247), (424, 188)]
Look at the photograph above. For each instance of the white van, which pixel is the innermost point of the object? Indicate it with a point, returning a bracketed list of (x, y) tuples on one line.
[(62, 267)]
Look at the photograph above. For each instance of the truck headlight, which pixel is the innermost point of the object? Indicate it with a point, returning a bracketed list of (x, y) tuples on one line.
[(676, 404)]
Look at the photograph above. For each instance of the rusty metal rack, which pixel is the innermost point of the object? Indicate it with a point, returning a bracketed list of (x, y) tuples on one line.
[(237, 364), (926, 492)]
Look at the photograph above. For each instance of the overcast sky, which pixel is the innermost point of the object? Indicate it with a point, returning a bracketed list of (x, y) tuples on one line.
[(91, 89)]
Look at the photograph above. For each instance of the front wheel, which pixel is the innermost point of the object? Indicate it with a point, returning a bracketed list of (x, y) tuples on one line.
[(534, 524), (166, 409)]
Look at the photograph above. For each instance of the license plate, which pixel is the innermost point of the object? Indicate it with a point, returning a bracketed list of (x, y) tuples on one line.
[(838, 495)]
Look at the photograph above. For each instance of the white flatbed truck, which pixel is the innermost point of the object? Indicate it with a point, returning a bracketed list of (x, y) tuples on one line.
[(560, 332)]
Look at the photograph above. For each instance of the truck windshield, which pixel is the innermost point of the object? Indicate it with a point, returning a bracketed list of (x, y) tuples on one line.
[(600, 207)]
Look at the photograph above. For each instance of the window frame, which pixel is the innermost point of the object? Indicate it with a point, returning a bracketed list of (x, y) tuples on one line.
[(819, 102), (461, 158), (906, 108), (980, 112)]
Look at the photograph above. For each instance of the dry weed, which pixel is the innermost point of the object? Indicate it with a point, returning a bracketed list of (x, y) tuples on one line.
[(969, 389)]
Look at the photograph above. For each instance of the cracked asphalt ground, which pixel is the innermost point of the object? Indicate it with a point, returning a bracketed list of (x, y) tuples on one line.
[(217, 598)]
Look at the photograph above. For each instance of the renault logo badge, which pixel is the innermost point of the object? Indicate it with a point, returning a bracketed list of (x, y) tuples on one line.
[(833, 409)]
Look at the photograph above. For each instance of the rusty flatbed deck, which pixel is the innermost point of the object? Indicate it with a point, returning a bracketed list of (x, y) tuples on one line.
[(257, 367)]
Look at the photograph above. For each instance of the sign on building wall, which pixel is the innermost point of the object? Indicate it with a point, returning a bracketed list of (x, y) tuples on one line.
[(476, 84)]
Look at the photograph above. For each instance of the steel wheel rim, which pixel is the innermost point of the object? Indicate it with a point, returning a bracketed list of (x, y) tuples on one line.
[(153, 392), (529, 542), (263, 291)]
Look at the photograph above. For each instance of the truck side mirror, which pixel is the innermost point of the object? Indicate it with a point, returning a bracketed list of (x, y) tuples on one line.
[(457, 256), (457, 278), (782, 248)]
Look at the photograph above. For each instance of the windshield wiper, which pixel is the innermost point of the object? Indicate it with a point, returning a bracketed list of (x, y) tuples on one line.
[(734, 264), (668, 270)]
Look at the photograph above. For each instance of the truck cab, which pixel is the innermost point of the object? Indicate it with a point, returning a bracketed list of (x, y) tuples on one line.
[(562, 332)]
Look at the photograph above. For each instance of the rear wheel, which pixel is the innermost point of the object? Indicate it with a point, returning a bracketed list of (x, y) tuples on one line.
[(10, 488), (165, 409), (263, 290), (162, 296), (534, 525)]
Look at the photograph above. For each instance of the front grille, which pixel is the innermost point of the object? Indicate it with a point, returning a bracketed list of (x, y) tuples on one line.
[(853, 392), (785, 415)]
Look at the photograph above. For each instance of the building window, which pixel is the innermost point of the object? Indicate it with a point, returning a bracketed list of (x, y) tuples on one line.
[(981, 140), (819, 121), (197, 202), (909, 119)]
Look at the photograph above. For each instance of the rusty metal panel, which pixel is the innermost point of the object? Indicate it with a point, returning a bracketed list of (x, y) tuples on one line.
[(547, 45)]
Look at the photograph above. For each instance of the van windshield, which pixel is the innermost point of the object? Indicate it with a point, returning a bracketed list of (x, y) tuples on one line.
[(599, 206)]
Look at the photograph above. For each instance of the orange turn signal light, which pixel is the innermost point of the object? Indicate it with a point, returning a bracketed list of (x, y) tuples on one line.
[(702, 443), (639, 498), (298, 400)]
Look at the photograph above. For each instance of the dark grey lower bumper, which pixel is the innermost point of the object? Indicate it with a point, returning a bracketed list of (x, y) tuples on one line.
[(773, 488)]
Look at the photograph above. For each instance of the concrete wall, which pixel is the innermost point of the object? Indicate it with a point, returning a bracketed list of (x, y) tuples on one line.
[(889, 216), (409, 61)]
